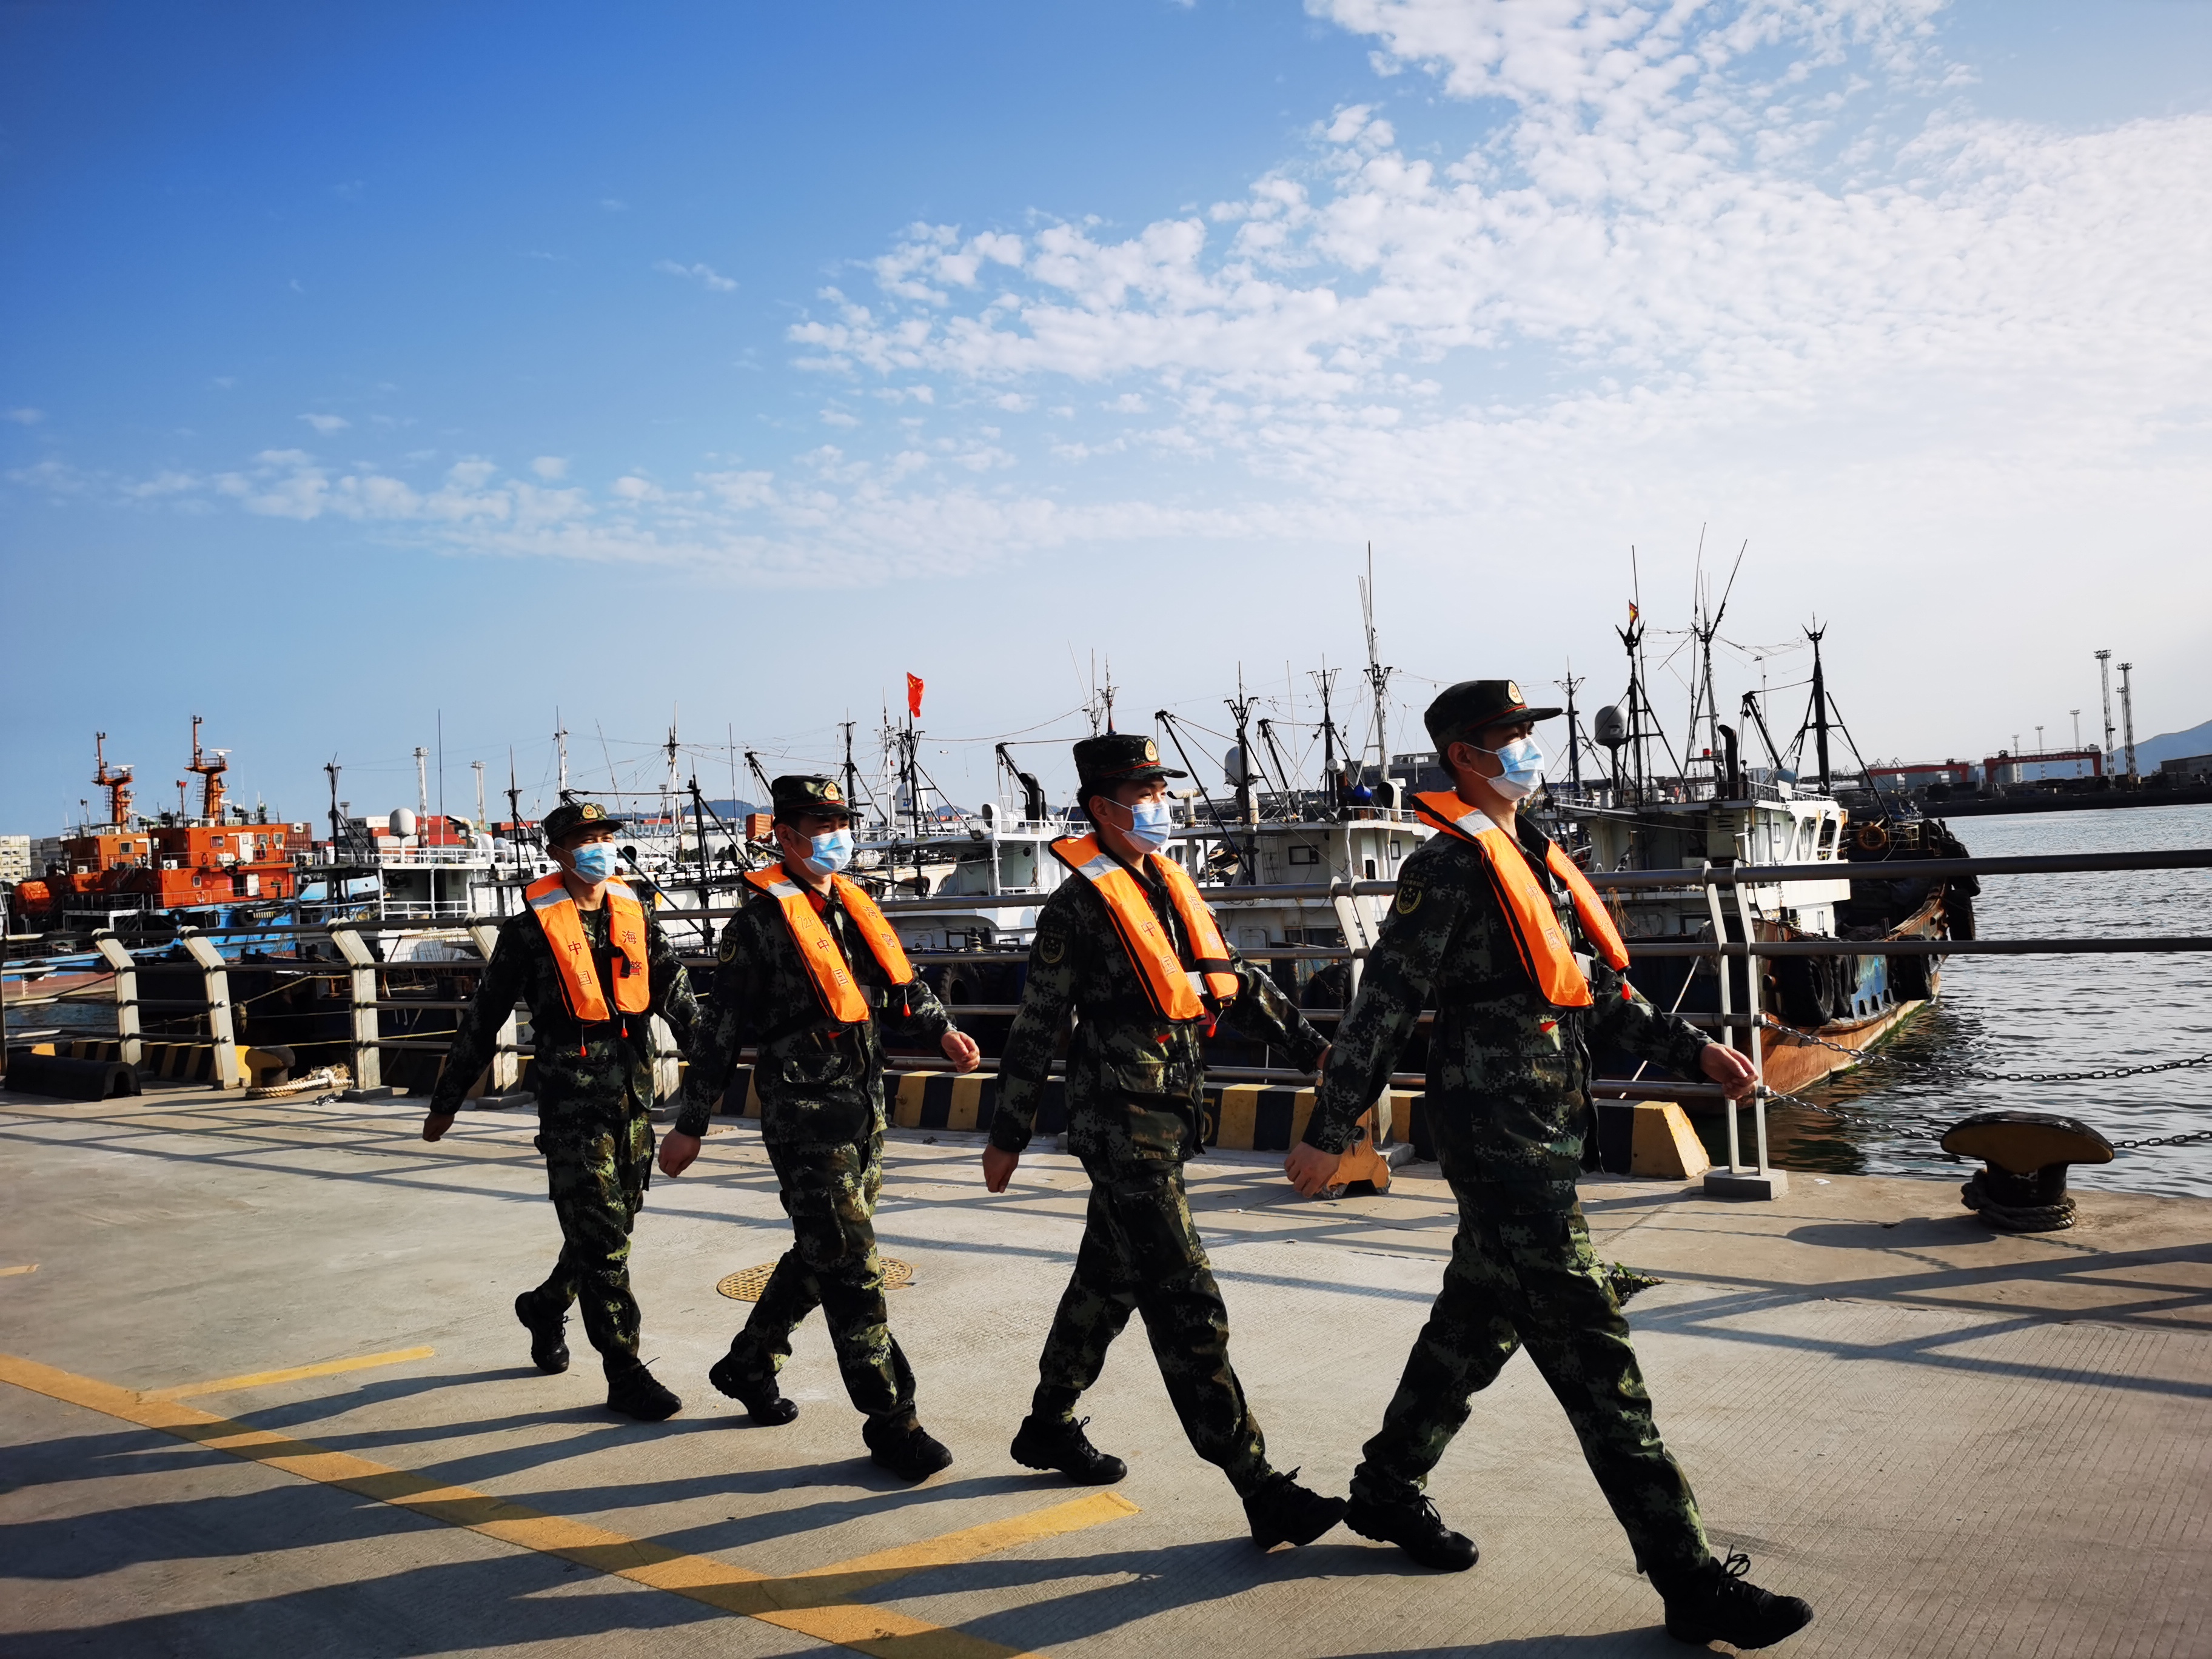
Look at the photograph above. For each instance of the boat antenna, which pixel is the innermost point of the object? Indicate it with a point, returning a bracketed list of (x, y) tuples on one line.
[(561, 748), (331, 767), (513, 799)]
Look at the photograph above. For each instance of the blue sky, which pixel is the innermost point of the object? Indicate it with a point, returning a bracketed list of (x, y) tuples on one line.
[(367, 367)]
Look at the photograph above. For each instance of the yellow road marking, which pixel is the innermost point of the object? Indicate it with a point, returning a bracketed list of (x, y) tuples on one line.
[(805, 1603), (10, 1272), (259, 1379)]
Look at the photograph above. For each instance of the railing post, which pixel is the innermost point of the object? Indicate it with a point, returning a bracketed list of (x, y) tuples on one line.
[(367, 1067), (1762, 1180), (201, 949), (131, 1050), (506, 1063)]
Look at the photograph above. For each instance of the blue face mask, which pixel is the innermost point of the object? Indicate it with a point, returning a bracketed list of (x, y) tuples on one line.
[(594, 861), (831, 852), (1149, 824), (1524, 768)]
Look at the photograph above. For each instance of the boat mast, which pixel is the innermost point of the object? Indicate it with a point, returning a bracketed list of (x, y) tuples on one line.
[(852, 772), (210, 773), (1571, 685), (1819, 709), (1240, 709), (338, 832), (1325, 679), (2104, 675), (117, 783), (1378, 677), (561, 749)]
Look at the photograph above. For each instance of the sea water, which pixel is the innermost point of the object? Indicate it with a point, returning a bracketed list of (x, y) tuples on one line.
[(2045, 1013)]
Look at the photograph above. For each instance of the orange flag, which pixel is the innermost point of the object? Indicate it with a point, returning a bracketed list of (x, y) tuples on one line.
[(914, 695)]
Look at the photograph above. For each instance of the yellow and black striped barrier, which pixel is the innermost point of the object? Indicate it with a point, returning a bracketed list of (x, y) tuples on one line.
[(176, 1062)]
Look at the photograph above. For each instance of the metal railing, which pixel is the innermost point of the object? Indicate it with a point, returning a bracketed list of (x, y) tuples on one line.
[(361, 968)]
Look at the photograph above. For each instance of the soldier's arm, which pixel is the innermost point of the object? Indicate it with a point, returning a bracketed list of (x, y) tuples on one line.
[(1027, 1060), (673, 996), (477, 1035), (1262, 1013), (926, 1020), (712, 1052), (1620, 1016), (1400, 972)]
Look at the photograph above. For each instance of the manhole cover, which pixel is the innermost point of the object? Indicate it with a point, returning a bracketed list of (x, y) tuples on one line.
[(747, 1284)]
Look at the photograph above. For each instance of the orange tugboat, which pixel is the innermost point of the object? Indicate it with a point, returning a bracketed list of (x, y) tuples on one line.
[(144, 877)]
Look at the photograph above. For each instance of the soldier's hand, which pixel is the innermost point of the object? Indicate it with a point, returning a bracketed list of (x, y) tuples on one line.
[(998, 1169), (676, 1152), (1311, 1169), (960, 1049), (435, 1125), (1731, 1070)]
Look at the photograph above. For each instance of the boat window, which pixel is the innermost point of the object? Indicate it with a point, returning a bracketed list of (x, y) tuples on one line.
[(955, 941), (1369, 863), (1397, 847), (1305, 854)]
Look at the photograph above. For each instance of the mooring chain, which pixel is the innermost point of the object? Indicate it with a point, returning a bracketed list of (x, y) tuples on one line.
[(2190, 1138), (1934, 1130), (1767, 1022)]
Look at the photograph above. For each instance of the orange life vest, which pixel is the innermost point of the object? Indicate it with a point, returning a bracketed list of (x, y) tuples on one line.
[(825, 963), (557, 914), (1544, 950), (1199, 992)]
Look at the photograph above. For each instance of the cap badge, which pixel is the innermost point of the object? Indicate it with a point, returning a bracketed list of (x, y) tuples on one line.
[(1513, 691), (829, 792), (592, 809), (1152, 752)]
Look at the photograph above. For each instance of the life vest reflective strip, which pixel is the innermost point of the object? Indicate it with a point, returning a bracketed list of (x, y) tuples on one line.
[(556, 913), (1544, 950), (1198, 992), (826, 966)]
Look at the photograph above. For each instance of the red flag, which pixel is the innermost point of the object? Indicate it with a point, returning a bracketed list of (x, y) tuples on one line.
[(914, 695)]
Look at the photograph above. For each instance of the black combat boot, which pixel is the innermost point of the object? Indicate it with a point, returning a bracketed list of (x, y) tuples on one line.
[(904, 1446), (1416, 1528), (1282, 1511), (1061, 1443), (548, 1352), (1716, 1602), (763, 1401), (637, 1393)]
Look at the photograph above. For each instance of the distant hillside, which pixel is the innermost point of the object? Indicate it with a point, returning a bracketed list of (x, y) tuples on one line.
[(2173, 745)]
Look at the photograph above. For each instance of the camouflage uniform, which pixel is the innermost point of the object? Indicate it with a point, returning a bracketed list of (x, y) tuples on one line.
[(1507, 1103), (1136, 1084), (594, 1087), (822, 1120)]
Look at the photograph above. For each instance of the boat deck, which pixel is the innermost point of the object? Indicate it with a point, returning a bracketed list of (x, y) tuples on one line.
[(264, 1394)]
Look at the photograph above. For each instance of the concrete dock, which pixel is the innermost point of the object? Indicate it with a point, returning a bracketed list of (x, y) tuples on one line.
[(262, 1393)]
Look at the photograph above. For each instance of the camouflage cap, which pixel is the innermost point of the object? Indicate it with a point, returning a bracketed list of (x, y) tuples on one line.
[(571, 815), (1461, 711), (1115, 757), (799, 797)]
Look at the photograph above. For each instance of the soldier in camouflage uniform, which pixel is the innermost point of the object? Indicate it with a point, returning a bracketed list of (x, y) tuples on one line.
[(593, 967), (812, 972), (1494, 928), (1128, 946)]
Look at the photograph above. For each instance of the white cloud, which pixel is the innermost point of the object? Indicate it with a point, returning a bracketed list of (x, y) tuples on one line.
[(27, 417), (327, 424), (839, 418), (550, 467), (705, 276)]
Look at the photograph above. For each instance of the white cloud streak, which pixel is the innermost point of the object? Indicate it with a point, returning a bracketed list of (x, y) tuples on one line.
[(706, 275)]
